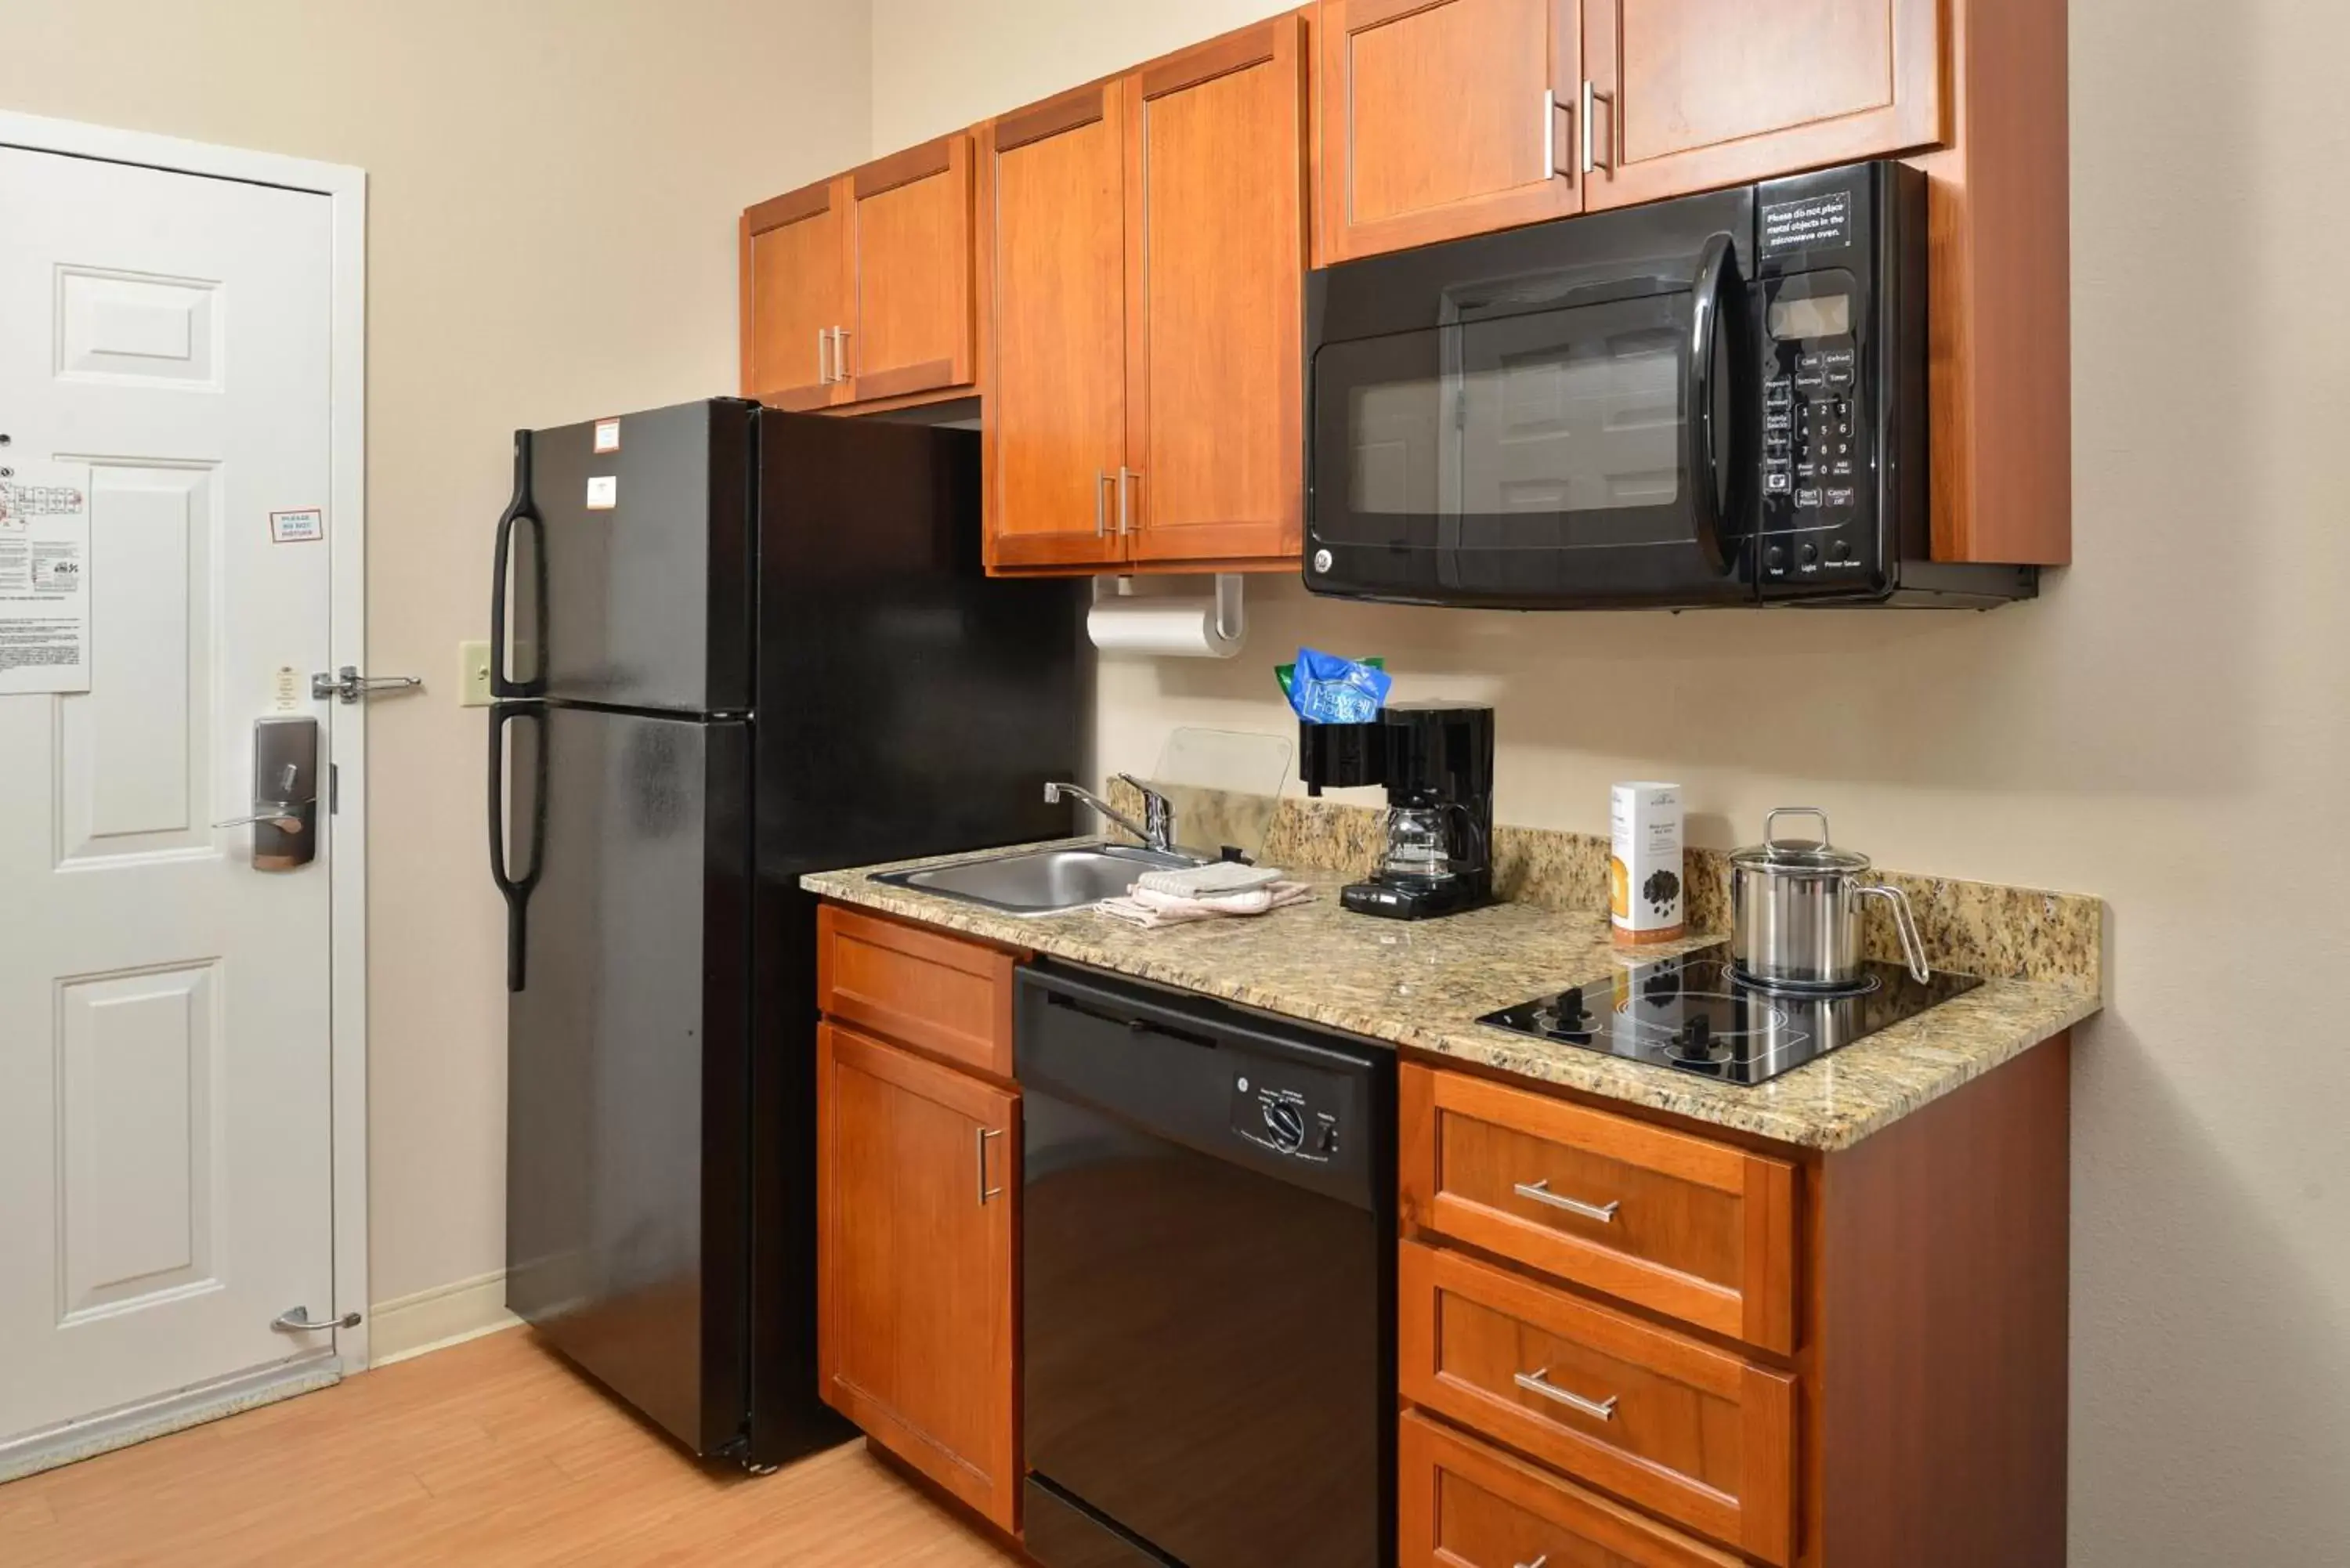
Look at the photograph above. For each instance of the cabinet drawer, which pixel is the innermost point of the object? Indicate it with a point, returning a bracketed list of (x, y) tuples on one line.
[(1681, 1225), (1699, 1435), (937, 993), (1463, 1505)]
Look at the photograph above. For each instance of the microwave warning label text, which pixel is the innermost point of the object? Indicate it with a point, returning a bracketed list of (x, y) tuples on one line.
[(1815, 222)]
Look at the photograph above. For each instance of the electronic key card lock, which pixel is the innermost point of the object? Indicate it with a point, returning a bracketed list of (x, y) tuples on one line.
[(285, 817)]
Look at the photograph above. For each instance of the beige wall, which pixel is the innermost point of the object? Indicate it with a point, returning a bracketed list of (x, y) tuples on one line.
[(2169, 727), (552, 194)]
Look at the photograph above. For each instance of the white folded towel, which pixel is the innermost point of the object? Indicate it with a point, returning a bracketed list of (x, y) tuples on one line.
[(1149, 910)]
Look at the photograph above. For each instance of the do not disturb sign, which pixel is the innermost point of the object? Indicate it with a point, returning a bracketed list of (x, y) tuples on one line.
[(303, 526)]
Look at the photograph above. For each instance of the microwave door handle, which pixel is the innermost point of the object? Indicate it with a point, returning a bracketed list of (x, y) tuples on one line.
[(1714, 287)]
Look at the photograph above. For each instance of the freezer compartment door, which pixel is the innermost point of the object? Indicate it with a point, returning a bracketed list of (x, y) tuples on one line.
[(627, 1188), (629, 578)]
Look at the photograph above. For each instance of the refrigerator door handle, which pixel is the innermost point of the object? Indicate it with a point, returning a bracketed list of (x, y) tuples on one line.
[(518, 509), (516, 889)]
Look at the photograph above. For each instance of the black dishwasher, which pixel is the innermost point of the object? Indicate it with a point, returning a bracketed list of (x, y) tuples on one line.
[(1207, 1292)]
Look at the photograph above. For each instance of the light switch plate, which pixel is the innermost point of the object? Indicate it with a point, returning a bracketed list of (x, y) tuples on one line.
[(473, 677)]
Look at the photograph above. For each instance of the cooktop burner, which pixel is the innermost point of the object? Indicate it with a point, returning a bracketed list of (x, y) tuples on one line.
[(1693, 1013)]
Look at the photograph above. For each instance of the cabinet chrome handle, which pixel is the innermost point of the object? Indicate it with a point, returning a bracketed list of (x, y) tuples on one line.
[(1101, 523), (1125, 514), (1590, 156), (823, 356), (1541, 1561), (1538, 1382), (840, 353), (1541, 1193), (1550, 140), (986, 1191)]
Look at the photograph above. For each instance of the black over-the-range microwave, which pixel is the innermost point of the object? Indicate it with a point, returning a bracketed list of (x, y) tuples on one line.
[(1716, 400)]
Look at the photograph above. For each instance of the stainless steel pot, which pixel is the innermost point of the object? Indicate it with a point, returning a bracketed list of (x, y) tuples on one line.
[(1795, 908)]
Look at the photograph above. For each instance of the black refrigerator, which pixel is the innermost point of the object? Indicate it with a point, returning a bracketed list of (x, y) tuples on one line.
[(730, 646)]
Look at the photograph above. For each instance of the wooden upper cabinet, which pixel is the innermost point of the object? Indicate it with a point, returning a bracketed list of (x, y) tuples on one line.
[(795, 293), (1215, 274), (1439, 118), (859, 290), (917, 1174), (1143, 250), (1694, 94), (1053, 268), (911, 271)]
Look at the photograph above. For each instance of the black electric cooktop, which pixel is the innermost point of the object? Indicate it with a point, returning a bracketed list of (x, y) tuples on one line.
[(1693, 1014)]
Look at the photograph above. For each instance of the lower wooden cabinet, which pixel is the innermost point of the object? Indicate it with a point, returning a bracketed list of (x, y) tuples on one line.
[(1703, 1437), (1463, 1505), (917, 1185)]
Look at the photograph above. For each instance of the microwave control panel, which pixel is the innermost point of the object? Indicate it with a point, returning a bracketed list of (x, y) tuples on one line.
[(1817, 517)]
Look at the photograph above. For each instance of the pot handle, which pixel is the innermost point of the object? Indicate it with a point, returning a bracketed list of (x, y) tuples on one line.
[(1913, 946), (1770, 821)]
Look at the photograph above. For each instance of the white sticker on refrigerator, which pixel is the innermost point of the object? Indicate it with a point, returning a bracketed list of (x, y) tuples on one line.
[(603, 492), (608, 435), (44, 591)]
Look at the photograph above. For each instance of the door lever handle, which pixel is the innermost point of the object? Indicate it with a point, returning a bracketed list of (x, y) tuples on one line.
[(285, 816)]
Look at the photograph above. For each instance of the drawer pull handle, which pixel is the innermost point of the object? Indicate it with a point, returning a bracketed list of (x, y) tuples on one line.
[(1541, 1193), (1537, 1382), (1541, 1561)]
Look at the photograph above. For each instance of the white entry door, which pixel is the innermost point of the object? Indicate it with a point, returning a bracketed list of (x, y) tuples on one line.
[(166, 1131)]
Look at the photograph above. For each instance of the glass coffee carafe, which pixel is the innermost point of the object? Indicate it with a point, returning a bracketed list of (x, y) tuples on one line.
[(1418, 849)]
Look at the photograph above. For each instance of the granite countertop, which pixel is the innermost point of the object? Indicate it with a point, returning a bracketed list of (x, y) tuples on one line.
[(1424, 983)]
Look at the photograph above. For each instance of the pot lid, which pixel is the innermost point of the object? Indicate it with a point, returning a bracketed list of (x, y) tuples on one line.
[(1777, 854)]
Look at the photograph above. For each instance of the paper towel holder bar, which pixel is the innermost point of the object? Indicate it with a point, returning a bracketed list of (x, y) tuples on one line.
[(1223, 624)]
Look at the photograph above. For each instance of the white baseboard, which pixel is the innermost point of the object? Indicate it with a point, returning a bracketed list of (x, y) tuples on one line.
[(435, 1319)]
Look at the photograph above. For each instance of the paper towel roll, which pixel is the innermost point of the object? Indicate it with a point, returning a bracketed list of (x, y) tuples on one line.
[(1183, 625)]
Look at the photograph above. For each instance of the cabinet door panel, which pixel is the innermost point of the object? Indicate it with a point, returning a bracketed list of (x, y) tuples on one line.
[(1434, 121), (1054, 227), (915, 1169), (912, 330), (1695, 93), (1217, 260), (795, 289)]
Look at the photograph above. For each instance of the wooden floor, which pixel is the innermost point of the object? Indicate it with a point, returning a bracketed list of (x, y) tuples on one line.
[(492, 1452)]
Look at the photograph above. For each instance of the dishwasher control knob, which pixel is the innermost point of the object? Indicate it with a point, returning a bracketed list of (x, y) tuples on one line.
[(1285, 1126)]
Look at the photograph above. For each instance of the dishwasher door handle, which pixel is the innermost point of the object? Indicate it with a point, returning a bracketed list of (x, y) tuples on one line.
[(1129, 1020)]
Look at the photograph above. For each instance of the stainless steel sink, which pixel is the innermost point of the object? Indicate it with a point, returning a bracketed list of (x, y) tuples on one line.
[(1039, 881)]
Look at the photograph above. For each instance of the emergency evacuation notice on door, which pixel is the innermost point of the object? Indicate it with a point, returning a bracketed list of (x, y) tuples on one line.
[(44, 579)]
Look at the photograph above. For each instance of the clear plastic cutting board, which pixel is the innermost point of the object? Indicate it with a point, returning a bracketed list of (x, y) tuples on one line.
[(1224, 784)]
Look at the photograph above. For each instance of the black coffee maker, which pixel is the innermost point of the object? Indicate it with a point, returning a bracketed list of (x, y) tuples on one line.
[(1436, 760)]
